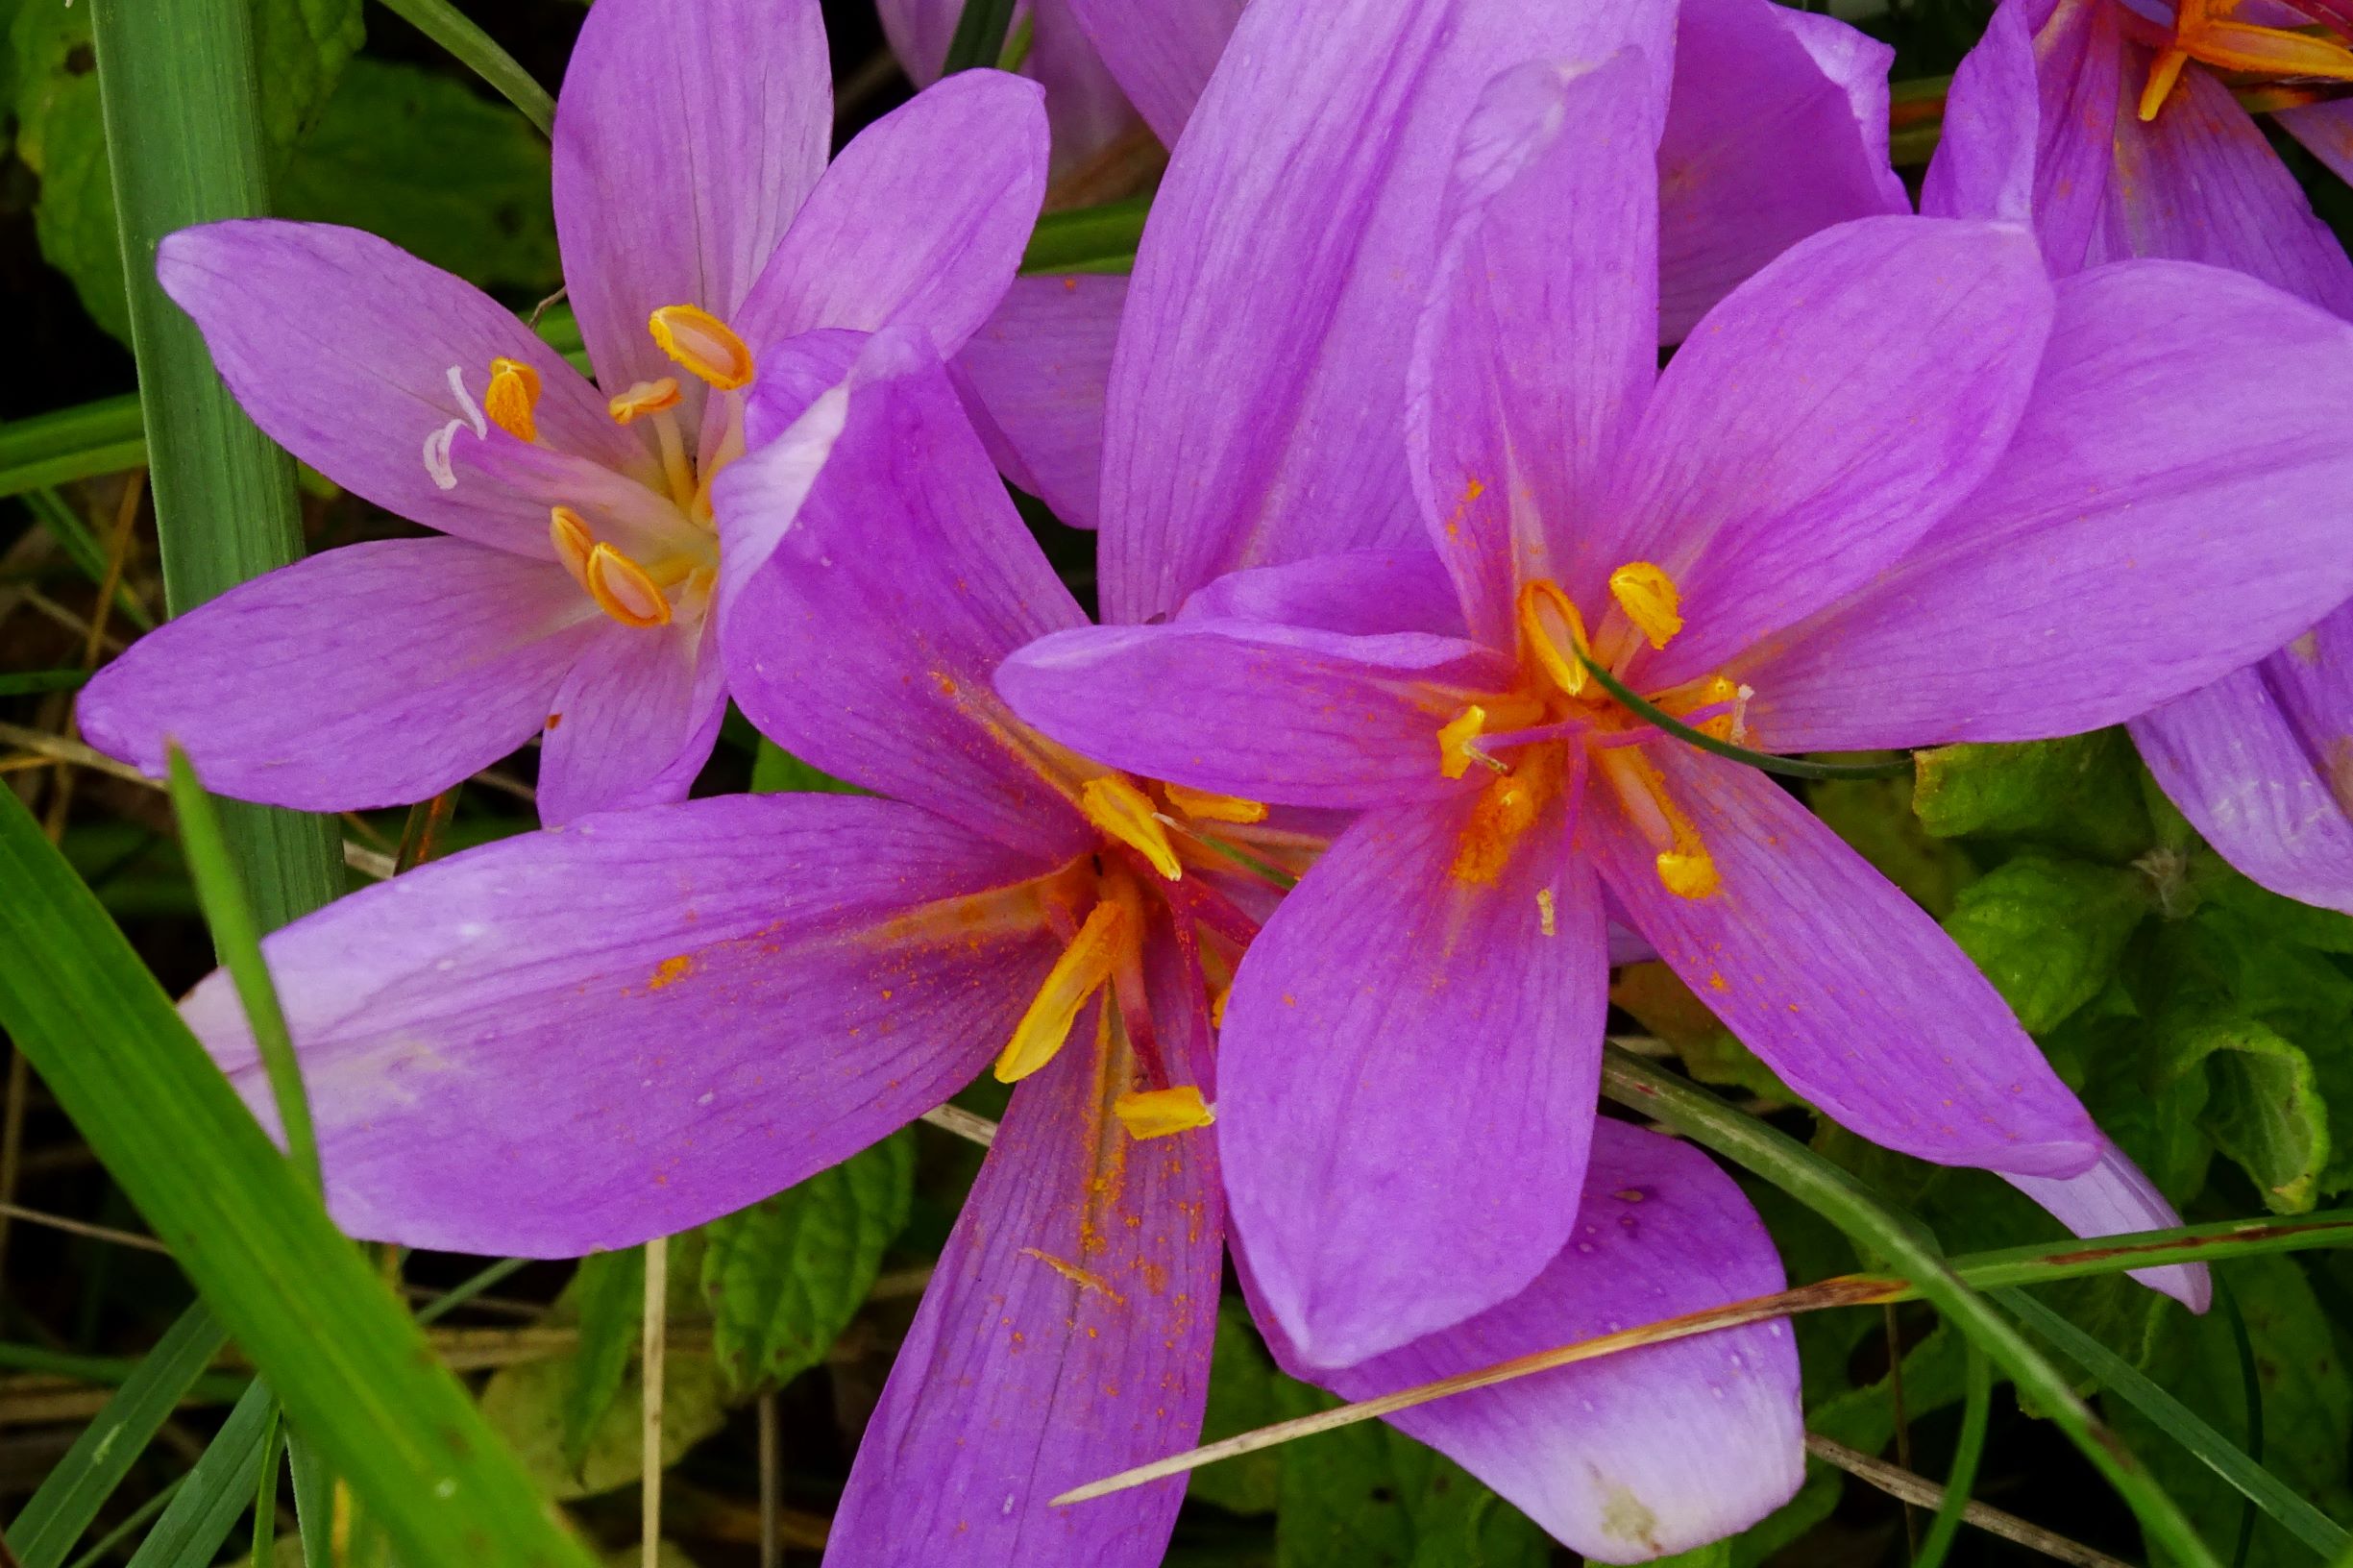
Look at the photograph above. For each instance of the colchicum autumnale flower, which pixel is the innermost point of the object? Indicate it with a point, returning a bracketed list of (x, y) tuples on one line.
[(570, 593), (2112, 125), (1897, 489)]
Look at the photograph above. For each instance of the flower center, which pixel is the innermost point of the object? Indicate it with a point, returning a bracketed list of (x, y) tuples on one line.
[(2203, 31), (1558, 726)]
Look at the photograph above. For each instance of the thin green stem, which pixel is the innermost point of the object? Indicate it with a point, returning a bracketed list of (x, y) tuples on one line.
[(1788, 767), (980, 36), (1976, 1410), (2250, 1383), (475, 50)]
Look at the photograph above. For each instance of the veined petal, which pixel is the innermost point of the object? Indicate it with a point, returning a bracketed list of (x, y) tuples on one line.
[(1651, 1451), (1083, 104), (1846, 987), (1250, 415), (634, 721), (2114, 1198), (1033, 381), (1407, 1077), (2080, 73), (686, 138), (1820, 419), (1360, 593), (2210, 466), (580, 1039), (1161, 55), (874, 576), (2261, 763), (1065, 1333), (1777, 128), (341, 346), (922, 219), (372, 675), (1984, 165), (1267, 712), (1537, 354)]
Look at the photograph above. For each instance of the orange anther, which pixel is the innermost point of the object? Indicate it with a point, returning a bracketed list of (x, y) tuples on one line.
[(623, 590)]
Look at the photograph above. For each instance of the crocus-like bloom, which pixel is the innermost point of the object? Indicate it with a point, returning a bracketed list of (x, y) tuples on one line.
[(1897, 489), (572, 593), (2103, 124)]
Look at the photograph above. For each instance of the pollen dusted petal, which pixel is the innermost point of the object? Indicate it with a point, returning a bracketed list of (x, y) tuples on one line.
[(514, 392), (705, 345), (623, 590), (1649, 599), (1077, 975), (1127, 814), (1554, 634), (1209, 806), (1160, 1113)]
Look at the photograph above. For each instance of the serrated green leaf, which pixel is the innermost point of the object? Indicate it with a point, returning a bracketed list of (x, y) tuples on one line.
[(2080, 795), (2049, 933), (609, 1290), (525, 1404), (433, 166), (1241, 1398), (785, 1276)]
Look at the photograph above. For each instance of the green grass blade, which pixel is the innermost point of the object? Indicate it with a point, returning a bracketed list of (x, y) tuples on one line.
[(72, 1494), (266, 1492), (475, 49), (353, 1369), (83, 549), (219, 1490), (314, 1501), (1962, 1478), (106, 1546), (184, 143), (69, 443), (33, 682), (1843, 1201), (472, 1286), (2184, 1426), (238, 941), (1089, 238), (2046, 1262), (980, 34)]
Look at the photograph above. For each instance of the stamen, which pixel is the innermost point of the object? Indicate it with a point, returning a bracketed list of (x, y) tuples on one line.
[(703, 344), (1649, 599), (568, 531), (1711, 704), (1457, 742), (645, 398), (1208, 806), (1077, 975), (437, 443), (2162, 72), (1157, 1113), (1125, 812), (655, 400), (623, 589), (1554, 634), (1685, 869), (514, 392)]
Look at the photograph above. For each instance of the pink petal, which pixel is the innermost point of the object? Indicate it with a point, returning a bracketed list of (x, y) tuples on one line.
[(1033, 381), (2114, 1198), (634, 722), (1162, 54)]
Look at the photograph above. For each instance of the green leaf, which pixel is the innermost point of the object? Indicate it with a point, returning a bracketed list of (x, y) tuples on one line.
[(1368, 1496), (2049, 933), (785, 1276), (1875, 816), (447, 26), (1242, 1397), (775, 771), (353, 1370), (74, 1491), (2259, 1102), (1089, 238), (2080, 795), (415, 156), (526, 1404), (219, 1490), (609, 1290)]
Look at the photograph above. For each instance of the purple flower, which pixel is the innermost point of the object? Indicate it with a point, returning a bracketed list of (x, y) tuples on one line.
[(2102, 124), (1899, 488), (571, 595)]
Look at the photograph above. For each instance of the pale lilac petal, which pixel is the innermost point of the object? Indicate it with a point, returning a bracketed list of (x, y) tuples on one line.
[(1534, 358), (919, 32), (1407, 1077), (2209, 466), (341, 347), (634, 722), (1822, 419), (1984, 165), (1267, 712), (2326, 131), (372, 675), (875, 573), (1065, 1333), (922, 219), (2261, 763), (1844, 986), (1257, 404), (2081, 82), (583, 1038), (1162, 54), (1777, 129), (1033, 381), (686, 137), (1651, 1451), (2201, 183), (1360, 593), (1090, 117), (2114, 1198)]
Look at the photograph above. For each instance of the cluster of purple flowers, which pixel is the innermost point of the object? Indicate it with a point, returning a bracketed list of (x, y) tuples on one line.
[(1395, 507)]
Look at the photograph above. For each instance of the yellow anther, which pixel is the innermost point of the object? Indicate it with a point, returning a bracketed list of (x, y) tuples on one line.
[(514, 392), (1077, 975), (2162, 72), (705, 345), (1208, 806), (1689, 873), (645, 398), (1554, 634), (568, 531), (1157, 1113), (1686, 867), (1649, 598), (624, 590), (1126, 813), (1455, 738), (2203, 32)]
